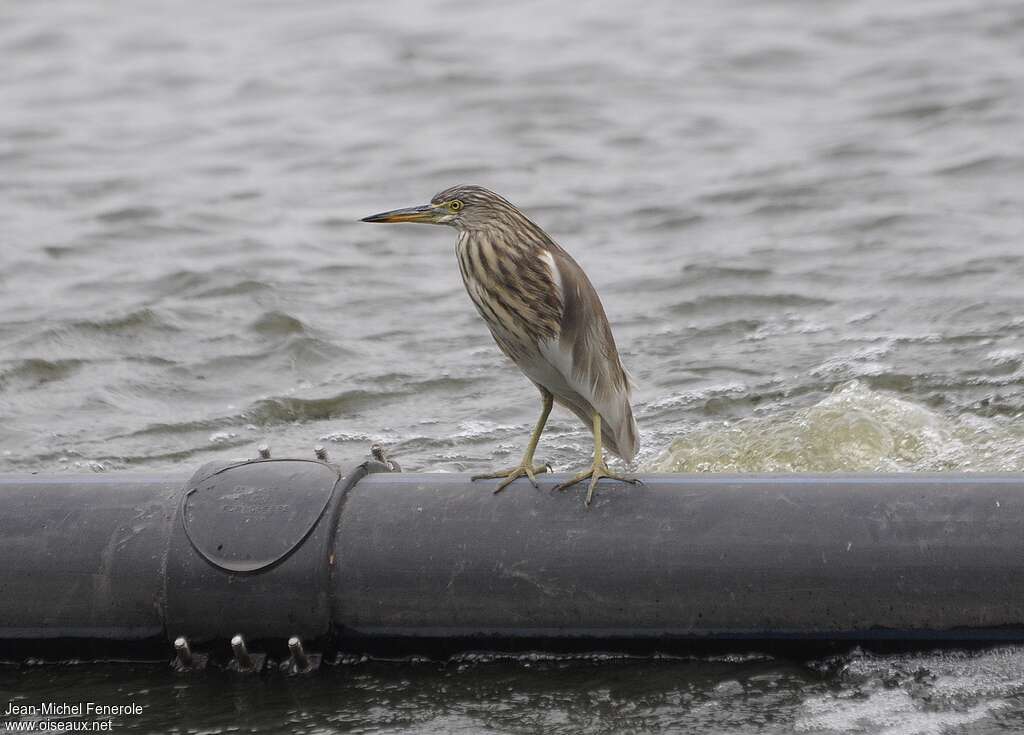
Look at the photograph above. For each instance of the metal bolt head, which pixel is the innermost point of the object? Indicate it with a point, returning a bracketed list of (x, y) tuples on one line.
[(242, 656), (320, 452), (300, 661), (182, 651), (264, 451)]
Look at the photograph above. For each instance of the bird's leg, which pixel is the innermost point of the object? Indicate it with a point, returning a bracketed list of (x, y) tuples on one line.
[(599, 469), (526, 467)]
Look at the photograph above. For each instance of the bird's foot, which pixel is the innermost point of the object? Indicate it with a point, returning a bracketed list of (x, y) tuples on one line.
[(511, 475), (595, 473)]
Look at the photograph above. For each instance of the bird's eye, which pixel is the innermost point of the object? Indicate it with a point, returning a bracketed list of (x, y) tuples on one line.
[(455, 205)]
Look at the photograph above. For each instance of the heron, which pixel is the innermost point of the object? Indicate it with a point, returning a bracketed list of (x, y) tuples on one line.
[(545, 315)]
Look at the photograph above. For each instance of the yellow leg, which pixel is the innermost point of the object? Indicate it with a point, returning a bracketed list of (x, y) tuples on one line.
[(526, 467), (598, 470)]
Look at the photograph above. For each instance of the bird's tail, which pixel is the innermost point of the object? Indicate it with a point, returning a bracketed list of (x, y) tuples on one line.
[(619, 433)]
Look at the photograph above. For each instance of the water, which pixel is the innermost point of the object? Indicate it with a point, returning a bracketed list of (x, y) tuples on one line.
[(934, 693), (803, 219)]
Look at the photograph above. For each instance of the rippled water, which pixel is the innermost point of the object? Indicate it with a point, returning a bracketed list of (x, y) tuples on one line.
[(804, 219), (935, 693)]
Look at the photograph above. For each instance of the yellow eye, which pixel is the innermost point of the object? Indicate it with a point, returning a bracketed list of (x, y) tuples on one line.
[(455, 205)]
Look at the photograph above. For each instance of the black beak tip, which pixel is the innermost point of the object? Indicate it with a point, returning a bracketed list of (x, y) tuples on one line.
[(371, 218)]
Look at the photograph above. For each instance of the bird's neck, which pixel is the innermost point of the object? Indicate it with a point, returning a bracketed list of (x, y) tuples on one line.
[(523, 239)]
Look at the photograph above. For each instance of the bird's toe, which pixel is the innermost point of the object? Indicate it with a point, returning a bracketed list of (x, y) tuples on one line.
[(509, 476)]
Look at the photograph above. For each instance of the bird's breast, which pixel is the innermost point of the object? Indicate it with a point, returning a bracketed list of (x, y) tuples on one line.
[(516, 297)]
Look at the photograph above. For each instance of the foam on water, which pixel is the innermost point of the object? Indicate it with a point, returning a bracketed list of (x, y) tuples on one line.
[(919, 694), (853, 429)]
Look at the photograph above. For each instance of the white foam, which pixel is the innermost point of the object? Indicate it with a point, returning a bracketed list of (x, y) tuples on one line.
[(854, 428)]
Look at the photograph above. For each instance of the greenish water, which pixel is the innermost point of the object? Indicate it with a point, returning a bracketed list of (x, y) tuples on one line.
[(804, 220)]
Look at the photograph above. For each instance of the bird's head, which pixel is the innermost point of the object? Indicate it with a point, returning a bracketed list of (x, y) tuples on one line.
[(462, 207)]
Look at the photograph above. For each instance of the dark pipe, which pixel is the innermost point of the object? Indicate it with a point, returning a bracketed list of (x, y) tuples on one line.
[(276, 548), (809, 556), (83, 556)]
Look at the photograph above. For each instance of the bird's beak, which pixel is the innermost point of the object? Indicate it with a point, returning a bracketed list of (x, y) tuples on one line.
[(426, 213)]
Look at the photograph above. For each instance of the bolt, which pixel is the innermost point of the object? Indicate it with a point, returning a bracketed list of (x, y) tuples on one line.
[(320, 452), (299, 657), (242, 656), (182, 652), (264, 451), (377, 452)]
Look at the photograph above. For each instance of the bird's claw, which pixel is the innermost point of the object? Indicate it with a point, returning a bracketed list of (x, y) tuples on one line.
[(595, 473), (510, 476)]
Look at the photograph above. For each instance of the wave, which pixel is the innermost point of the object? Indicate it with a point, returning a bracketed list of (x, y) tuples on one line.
[(34, 372), (854, 429)]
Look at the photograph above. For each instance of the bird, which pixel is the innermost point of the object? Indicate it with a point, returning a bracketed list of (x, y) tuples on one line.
[(545, 315)]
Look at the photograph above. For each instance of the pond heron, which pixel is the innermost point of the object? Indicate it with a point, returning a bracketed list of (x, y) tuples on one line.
[(545, 315)]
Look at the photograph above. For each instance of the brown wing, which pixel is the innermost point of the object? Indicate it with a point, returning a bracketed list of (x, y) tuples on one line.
[(596, 371)]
